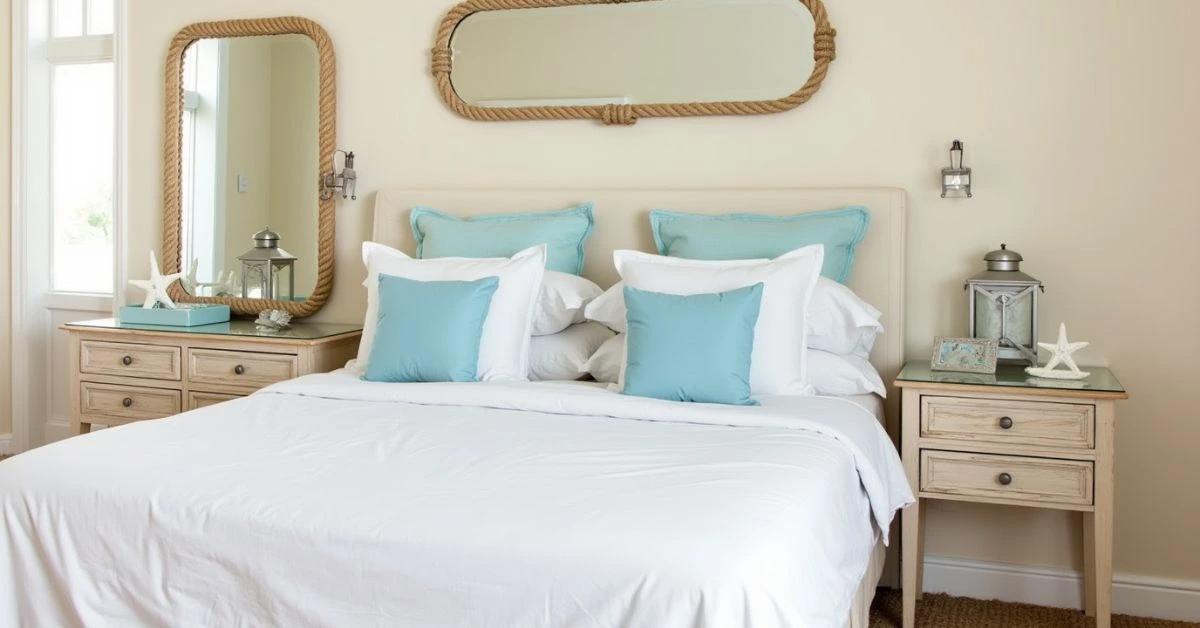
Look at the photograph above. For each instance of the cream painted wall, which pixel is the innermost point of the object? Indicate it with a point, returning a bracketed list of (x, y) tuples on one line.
[(5, 217), (1079, 119)]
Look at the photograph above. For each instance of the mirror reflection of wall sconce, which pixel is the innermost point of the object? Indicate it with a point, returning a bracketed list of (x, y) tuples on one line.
[(956, 180), (346, 180)]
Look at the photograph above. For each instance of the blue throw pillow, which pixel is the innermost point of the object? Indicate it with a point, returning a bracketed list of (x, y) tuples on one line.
[(756, 236), (429, 331), (564, 233), (691, 348)]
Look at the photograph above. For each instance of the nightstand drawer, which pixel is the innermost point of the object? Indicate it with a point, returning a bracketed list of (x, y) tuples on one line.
[(204, 399), (242, 369), (126, 403), (1015, 479), (1009, 422), (129, 360)]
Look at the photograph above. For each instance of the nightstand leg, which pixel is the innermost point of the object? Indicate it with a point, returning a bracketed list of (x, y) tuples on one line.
[(911, 561), (1089, 564), (1099, 567), (1098, 524), (921, 548)]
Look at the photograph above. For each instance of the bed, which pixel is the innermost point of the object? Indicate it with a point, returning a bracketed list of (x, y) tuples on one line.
[(330, 501)]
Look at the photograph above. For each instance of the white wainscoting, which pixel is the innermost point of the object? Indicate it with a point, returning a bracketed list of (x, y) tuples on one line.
[(1143, 596)]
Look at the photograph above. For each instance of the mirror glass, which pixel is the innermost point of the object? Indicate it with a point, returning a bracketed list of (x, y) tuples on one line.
[(669, 51), (250, 158)]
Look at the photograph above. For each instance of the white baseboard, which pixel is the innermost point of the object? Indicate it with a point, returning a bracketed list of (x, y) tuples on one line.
[(5, 444), (1143, 596)]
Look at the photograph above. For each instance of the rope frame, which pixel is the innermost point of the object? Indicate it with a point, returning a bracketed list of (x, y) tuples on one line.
[(824, 52), (173, 158)]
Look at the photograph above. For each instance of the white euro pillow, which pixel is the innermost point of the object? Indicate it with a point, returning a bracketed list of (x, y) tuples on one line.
[(562, 356), (839, 321), (777, 360), (504, 344), (561, 302)]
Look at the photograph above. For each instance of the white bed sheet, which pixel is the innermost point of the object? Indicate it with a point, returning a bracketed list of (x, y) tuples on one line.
[(326, 501)]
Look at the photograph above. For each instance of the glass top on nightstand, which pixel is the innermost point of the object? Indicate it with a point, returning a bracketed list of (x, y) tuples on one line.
[(1100, 379), (244, 328)]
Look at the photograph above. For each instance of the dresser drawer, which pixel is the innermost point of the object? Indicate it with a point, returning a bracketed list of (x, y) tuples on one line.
[(1009, 422), (129, 360), (241, 369), (126, 403), (1015, 479), (204, 399)]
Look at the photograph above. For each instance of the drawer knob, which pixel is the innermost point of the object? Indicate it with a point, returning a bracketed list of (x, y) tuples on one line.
[(127, 360), (128, 401), (239, 369), (1004, 479), (1005, 423)]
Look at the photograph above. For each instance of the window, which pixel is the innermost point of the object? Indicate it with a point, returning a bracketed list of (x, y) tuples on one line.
[(204, 87), (78, 64)]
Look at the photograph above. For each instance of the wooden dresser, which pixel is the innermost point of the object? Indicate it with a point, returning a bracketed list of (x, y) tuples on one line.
[(123, 372), (1008, 438)]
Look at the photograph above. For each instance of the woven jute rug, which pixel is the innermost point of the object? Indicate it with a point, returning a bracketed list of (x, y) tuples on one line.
[(937, 610)]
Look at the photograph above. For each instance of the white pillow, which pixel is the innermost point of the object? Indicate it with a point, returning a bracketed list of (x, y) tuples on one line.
[(563, 355), (832, 374), (838, 320), (561, 302), (605, 363), (777, 360), (841, 322), (504, 344), (609, 308)]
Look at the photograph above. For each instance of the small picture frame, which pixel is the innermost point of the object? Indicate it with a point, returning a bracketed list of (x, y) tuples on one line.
[(965, 355)]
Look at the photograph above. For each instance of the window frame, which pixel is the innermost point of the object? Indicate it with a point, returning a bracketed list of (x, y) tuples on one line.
[(33, 306)]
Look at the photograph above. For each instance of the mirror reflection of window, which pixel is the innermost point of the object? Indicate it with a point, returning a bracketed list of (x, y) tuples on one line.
[(203, 131)]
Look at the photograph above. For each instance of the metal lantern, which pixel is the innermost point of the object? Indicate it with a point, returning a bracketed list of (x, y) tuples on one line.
[(263, 265), (956, 180), (1003, 305)]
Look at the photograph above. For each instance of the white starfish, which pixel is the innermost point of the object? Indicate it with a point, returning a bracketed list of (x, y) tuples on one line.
[(1061, 350), (156, 285)]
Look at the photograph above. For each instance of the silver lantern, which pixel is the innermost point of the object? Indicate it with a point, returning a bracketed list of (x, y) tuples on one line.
[(263, 265), (1003, 304)]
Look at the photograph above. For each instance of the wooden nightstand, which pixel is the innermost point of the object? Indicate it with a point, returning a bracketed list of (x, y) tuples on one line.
[(123, 372), (1011, 439)]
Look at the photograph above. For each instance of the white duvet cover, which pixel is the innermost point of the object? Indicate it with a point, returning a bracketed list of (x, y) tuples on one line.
[(327, 501)]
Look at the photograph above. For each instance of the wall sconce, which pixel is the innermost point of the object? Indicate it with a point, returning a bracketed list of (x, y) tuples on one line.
[(346, 180), (956, 180)]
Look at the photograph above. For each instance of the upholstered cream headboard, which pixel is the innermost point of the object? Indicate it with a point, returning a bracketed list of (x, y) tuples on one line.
[(622, 223)]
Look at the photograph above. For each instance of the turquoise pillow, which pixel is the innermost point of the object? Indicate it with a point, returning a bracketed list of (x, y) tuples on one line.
[(564, 233), (429, 331), (756, 236), (691, 348)]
